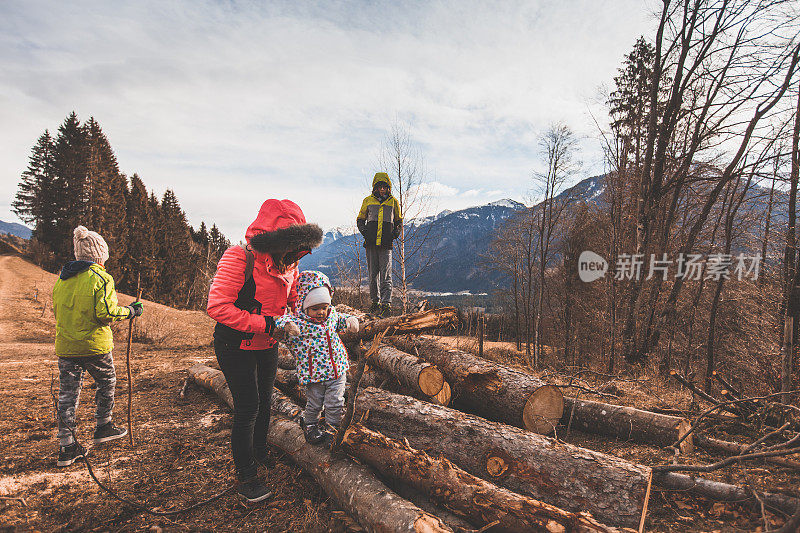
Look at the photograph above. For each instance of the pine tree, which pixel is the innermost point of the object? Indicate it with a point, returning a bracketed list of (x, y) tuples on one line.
[(34, 201), (141, 258), (105, 191), (630, 102), (70, 171), (175, 275), (217, 242)]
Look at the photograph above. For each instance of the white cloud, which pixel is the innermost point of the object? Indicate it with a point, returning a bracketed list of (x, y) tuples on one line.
[(231, 103)]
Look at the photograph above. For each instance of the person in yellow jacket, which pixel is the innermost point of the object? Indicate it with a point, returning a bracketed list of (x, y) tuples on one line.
[(85, 303), (380, 221)]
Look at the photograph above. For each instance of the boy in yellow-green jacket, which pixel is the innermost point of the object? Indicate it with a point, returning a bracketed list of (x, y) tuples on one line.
[(380, 221), (85, 303)]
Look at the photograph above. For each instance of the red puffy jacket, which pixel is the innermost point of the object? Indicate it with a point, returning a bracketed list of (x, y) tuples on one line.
[(279, 227)]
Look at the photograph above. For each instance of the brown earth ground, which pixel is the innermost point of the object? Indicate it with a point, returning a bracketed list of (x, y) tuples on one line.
[(181, 455)]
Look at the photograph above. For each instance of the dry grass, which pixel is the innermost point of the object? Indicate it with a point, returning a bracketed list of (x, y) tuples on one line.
[(156, 328)]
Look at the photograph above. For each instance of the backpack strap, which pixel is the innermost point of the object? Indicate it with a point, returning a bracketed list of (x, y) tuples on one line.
[(251, 259)]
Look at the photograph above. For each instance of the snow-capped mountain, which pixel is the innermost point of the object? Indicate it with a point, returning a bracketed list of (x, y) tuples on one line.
[(449, 242)]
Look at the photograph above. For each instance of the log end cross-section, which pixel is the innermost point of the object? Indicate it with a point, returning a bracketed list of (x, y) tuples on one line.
[(431, 380), (543, 409)]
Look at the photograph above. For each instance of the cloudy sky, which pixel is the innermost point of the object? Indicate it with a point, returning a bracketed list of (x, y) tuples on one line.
[(230, 103)]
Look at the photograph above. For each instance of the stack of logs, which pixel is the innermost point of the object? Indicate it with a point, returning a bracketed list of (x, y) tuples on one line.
[(460, 443)]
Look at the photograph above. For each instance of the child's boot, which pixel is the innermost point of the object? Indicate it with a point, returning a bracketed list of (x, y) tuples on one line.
[(312, 433)]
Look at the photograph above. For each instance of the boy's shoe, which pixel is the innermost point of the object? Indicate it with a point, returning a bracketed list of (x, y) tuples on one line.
[(312, 433), (374, 309), (70, 453), (108, 432), (254, 490), (385, 310)]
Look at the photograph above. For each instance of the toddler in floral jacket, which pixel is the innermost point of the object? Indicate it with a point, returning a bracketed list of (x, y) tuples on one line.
[(312, 337)]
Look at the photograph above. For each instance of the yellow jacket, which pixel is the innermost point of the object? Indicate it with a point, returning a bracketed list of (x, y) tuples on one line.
[(85, 303), (380, 221)]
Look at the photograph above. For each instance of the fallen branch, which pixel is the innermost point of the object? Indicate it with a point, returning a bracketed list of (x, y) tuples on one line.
[(15, 499), (747, 456), (347, 419), (725, 492), (727, 447), (707, 397), (398, 325)]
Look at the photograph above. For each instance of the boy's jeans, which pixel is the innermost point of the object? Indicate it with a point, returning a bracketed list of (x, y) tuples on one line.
[(379, 265), (101, 368), (330, 394)]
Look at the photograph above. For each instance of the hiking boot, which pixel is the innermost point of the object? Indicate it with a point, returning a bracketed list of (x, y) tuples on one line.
[(374, 309), (385, 310), (253, 490), (108, 432), (312, 433), (70, 453)]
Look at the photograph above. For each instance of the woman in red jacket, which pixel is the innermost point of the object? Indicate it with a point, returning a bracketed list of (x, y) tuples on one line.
[(245, 296)]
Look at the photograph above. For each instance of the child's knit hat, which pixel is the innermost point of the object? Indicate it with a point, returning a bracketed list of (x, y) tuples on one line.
[(319, 295), (313, 288), (89, 245)]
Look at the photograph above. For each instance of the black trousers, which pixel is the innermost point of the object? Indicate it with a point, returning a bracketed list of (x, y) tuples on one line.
[(250, 375)]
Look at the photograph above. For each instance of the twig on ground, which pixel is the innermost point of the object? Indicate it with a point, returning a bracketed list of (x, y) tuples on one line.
[(15, 499), (724, 462)]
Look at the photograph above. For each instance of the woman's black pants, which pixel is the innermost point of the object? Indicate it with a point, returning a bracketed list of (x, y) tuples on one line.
[(250, 375)]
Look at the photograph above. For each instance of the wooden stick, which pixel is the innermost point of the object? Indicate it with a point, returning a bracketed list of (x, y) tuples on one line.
[(128, 361), (707, 397), (726, 384), (351, 400)]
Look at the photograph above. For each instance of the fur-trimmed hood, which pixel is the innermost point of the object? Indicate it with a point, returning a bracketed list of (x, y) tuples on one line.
[(281, 227)]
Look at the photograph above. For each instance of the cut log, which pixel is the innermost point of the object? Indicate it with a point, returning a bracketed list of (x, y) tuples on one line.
[(725, 492), (354, 487), (398, 325), (374, 377), (444, 396), (287, 382), (211, 379), (480, 501), (491, 390), (627, 423), (613, 490), (409, 370), (286, 359), (287, 377)]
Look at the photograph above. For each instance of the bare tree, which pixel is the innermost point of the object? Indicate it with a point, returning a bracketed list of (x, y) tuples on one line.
[(729, 64), (559, 148)]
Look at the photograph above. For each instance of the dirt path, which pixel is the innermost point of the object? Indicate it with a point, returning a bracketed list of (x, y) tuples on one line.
[(182, 446)]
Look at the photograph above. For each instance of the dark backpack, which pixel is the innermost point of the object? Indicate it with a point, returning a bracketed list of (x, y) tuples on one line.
[(246, 300)]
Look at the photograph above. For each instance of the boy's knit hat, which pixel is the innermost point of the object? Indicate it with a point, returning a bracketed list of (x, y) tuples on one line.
[(89, 245)]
